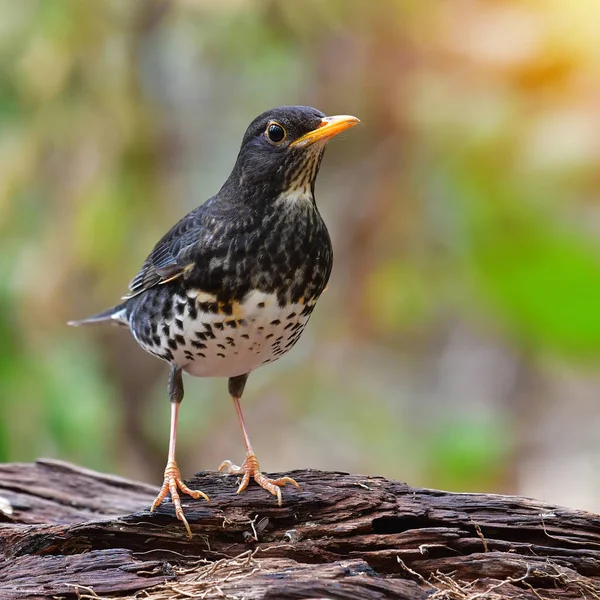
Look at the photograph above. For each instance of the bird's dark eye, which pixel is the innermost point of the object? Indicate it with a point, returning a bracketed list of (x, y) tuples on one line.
[(275, 133)]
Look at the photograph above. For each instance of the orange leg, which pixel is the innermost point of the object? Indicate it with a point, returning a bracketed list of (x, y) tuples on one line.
[(250, 466), (173, 483)]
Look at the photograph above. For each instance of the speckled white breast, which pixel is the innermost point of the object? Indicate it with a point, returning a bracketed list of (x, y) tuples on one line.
[(221, 345)]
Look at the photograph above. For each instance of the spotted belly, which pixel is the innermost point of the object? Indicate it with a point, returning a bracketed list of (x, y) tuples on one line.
[(208, 342)]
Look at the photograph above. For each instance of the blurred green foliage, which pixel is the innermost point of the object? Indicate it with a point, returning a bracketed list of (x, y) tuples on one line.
[(464, 304)]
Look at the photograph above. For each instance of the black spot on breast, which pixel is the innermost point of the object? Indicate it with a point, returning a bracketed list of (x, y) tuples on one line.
[(198, 345), (307, 310), (225, 308), (192, 310), (167, 309), (208, 307)]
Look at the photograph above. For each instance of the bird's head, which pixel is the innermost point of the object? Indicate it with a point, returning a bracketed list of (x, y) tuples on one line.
[(281, 153)]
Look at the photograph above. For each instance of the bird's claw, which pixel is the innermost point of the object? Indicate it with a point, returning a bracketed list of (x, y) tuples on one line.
[(173, 484), (251, 468)]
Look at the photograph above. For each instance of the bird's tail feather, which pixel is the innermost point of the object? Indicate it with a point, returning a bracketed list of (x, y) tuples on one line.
[(116, 314)]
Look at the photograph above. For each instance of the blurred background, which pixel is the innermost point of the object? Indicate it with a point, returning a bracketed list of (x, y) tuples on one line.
[(458, 344)]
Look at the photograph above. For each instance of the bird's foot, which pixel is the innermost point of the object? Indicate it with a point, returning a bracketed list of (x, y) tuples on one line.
[(173, 484), (250, 468)]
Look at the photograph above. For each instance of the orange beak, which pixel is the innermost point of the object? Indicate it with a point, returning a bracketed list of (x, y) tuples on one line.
[(329, 127)]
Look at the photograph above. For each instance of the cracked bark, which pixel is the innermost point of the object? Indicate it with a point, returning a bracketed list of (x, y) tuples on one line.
[(66, 530)]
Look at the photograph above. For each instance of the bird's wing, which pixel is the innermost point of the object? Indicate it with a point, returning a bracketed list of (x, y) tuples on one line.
[(170, 257)]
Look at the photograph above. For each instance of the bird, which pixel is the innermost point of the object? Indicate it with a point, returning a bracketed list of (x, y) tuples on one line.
[(232, 285)]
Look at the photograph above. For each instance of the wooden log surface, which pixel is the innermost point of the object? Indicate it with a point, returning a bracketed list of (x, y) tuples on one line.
[(67, 532)]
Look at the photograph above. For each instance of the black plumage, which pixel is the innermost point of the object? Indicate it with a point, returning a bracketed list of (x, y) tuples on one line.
[(232, 285), (240, 230)]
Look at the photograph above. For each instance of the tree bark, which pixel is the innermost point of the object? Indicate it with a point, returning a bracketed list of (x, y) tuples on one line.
[(68, 532)]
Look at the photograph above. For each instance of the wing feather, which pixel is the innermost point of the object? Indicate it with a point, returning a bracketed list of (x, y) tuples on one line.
[(167, 261)]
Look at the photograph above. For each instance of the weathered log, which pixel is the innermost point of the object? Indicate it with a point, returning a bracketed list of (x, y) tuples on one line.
[(69, 532)]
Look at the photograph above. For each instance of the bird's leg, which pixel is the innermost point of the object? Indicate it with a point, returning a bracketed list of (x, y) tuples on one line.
[(172, 482), (250, 467)]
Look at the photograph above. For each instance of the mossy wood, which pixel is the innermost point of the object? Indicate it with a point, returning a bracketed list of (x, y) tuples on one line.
[(67, 532)]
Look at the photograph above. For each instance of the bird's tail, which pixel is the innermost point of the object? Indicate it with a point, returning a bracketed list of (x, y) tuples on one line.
[(116, 314)]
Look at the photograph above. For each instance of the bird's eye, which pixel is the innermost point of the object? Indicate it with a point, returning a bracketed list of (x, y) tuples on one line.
[(275, 133)]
